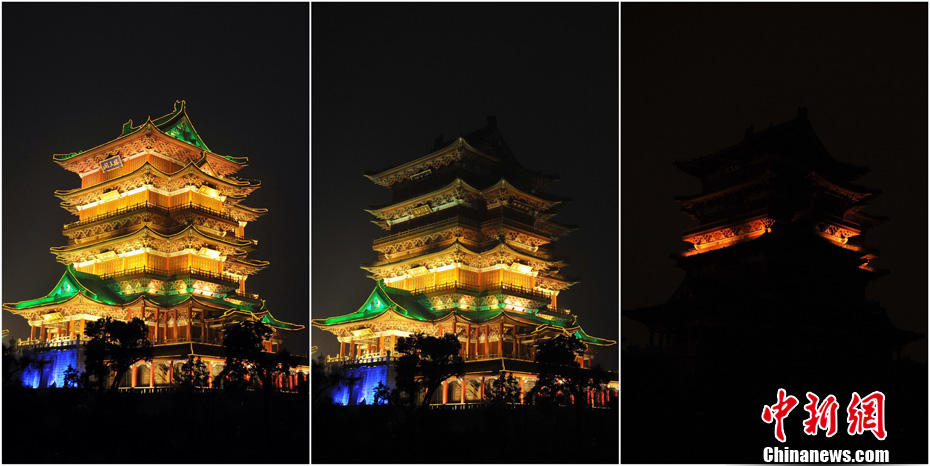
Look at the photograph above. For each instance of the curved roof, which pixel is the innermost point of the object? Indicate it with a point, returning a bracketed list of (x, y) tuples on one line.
[(385, 299), (71, 284), (176, 125), (147, 167), (74, 283), (145, 230), (457, 246)]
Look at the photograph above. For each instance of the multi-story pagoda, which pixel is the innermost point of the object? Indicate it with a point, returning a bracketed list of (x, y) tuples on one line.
[(160, 236), (774, 297), (780, 232), (466, 252)]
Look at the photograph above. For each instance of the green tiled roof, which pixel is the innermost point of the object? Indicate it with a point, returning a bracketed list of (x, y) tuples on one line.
[(175, 124), (268, 319), (581, 335), (382, 299), (69, 285)]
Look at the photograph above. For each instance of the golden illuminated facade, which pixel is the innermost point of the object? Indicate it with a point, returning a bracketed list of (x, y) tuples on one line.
[(467, 252), (159, 235)]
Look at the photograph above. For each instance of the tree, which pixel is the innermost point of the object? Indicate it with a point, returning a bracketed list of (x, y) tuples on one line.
[(385, 395), (243, 343), (267, 366), (115, 346), (193, 373), (505, 389), (74, 378), (561, 377), (426, 361)]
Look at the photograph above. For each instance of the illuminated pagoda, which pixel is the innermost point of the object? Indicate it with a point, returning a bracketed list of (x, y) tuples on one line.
[(160, 236), (777, 266), (467, 252)]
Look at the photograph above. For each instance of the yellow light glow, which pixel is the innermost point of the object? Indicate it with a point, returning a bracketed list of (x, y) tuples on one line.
[(417, 271), (109, 196), (135, 252), (208, 191), (105, 256), (363, 333), (207, 252)]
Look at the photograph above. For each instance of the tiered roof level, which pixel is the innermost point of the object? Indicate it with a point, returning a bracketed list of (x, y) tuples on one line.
[(159, 235)]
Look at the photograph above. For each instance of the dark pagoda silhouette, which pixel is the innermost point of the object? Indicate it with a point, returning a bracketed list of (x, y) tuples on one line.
[(774, 297)]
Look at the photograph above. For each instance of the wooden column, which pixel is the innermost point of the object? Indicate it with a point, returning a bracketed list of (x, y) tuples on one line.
[(134, 372), (381, 344), (445, 393), (170, 372), (190, 312), (342, 348), (210, 374), (70, 328), (500, 340), (42, 335), (521, 390), (156, 324), (32, 332), (477, 338), (467, 340), (128, 314), (174, 333), (462, 384), (516, 353), (487, 339), (481, 390), (152, 375)]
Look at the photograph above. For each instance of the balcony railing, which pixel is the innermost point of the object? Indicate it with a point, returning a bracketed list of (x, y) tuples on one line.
[(169, 273), (150, 205), (559, 310), (479, 289), (367, 359), (428, 227)]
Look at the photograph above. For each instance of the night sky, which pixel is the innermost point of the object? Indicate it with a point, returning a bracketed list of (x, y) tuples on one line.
[(695, 76), (74, 73), (389, 79)]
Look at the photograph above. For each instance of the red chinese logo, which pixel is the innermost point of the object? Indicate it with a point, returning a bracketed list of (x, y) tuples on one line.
[(778, 412), (822, 417), (867, 414), (862, 414)]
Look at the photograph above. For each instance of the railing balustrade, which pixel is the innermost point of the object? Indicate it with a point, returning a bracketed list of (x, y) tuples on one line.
[(168, 273), (367, 359), (150, 205), (477, 289)]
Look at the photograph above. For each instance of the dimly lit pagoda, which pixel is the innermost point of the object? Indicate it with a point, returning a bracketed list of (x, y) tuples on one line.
[(466, 252), (160, 236), (774, 297), (780, 246)]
